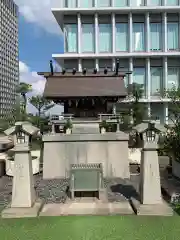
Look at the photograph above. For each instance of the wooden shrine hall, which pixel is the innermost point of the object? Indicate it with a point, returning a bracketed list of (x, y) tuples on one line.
[(85, 94)]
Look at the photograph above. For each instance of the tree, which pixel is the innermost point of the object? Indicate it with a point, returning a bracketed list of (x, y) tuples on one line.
[(172, 141), (41, 104), (135, 93), (23, 89), (174, 109)]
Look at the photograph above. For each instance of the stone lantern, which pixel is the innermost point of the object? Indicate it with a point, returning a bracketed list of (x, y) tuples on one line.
[(149, 130), (24, 201), (22, 132)]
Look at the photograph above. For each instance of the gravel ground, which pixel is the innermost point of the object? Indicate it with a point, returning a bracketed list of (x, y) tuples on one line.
[(55, 191)]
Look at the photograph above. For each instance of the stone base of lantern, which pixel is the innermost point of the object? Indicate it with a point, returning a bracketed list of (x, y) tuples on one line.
[(161, 209), (23, 212)]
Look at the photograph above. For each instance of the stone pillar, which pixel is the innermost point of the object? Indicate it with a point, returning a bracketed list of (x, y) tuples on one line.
[(23, 202), (150, 188), (23, 193)]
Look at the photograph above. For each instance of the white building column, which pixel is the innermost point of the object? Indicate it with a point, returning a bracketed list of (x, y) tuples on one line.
[(148, 79), (130, 32), (80, 65), (65, 38), (147, 37), (130, 69), (97, 64), (166, 112), (165, 74), (113, 63), (179, 29), (96, 33), (165, 86), (113, 33), (164, 32), (79, 33), (149, 110)]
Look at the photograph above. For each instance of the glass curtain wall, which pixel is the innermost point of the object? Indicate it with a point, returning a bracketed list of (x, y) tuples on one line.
[(171, 2), (139, 77), (137, 3), (155, 36), (138, 37), (105, 37), (88, 38), (122, 3), (154, 3), (156, 80), (86, 3), (103, 3), (71, 3), (71, 32), (173, 77), (172, 36), (122, 38)]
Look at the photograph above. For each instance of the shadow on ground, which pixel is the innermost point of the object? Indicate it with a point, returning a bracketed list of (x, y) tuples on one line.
[(126, 189)]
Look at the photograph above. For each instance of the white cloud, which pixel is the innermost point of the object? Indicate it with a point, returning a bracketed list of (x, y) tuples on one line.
[(31, 77), (38, 84), (39, 12)]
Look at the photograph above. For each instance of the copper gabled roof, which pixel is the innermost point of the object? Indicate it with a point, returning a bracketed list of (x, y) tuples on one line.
[(88, 85)]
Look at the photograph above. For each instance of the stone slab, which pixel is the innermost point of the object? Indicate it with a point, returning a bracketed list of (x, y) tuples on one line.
[(162, 209), (10, 212), (87, 208)]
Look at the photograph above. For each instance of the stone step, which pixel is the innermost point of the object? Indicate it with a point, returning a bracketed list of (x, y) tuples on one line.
[(87, 208)]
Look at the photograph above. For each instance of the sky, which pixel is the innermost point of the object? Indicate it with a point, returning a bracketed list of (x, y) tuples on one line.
[(39, 37)]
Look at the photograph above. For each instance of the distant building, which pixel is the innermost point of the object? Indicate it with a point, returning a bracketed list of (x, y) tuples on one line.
[(143, 34), (9, 62)]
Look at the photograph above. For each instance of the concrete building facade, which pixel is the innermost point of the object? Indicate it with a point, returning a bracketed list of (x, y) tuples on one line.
[(9, 62), (143, 34)]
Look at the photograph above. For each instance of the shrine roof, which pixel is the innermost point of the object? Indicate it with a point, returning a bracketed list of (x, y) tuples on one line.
[(66, 85)]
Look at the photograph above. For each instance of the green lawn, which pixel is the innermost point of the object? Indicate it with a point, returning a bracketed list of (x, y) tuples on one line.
[(91, 228)]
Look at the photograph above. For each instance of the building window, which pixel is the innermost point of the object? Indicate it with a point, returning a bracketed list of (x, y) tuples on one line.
[(139, 77), (71, 33), (137, 3), (172, 77), (88, 38), (172, 36), (105, 38), (121, 37), (71, 3), (138, 37), (156, 79), (155, 3), (156, 36), (86, 3), (172, 2), (122, 3), (103, 3)]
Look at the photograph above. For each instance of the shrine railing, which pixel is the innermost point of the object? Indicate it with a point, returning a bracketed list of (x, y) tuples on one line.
[(108, 117), (61, 117)]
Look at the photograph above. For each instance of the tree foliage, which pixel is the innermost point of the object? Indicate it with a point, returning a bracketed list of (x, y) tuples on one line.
[(172, 141), (23, 89), (41, 104), (137, 109)]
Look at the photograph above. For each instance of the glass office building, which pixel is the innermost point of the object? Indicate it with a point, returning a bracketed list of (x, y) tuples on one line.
[(9, 62), (143, 34)]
